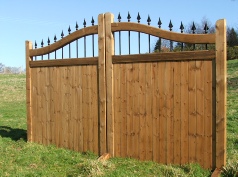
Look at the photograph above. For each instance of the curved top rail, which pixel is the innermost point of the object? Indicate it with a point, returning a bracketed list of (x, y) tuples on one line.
[(64, 41), (178, 37)]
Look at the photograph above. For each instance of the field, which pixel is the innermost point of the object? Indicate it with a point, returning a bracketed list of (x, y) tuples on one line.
[(20, 158)]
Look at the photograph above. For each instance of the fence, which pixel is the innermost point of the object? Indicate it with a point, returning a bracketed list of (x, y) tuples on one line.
[(166, 107)]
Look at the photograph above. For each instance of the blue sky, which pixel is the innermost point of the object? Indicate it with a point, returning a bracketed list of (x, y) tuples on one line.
[(22, 20)]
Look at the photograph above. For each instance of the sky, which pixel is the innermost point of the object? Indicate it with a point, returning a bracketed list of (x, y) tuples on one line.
[(34, 20)]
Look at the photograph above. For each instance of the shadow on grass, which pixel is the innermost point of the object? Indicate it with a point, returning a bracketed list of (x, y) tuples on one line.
[(14, 133)]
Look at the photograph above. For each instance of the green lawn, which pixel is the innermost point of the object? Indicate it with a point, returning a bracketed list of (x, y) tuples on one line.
[(20, 158)]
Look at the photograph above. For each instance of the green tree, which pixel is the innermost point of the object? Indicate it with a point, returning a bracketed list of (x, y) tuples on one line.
[(232, 37)]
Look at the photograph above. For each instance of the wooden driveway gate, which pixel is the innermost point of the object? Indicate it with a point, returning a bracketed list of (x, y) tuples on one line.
[(167, 107)]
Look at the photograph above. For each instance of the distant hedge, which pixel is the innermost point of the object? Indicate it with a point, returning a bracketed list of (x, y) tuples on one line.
[(232, 53)]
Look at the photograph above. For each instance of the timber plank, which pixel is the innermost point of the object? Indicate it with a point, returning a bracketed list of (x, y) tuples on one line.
[(157, 32), (177, 113), (221, 93), (80, 128), (102, 84), (95, 109), (208, 114), (136, 111), (89, 108), (64, 41), (154, 110), (169, 102), (129, 97), (162, 122), (85, 108), (165, 56), (117, 112), (192, 111), (184, 113), (200, 111), (148, 101), (29, 89), (123, 110), (109, 80), (142, 106)]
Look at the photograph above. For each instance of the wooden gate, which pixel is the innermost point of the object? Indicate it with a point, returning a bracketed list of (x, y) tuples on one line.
[(167, 107)]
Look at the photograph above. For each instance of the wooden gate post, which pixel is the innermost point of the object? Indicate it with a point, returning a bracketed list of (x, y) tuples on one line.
[(221, 84), (109, 82), (102, 85), (28, 46)]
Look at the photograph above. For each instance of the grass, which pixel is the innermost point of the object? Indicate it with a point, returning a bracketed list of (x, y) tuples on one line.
[(20, 158)]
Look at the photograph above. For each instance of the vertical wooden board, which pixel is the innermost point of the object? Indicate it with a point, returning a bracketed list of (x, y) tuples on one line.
[(28, 46), (192, 111), (200, 112), (162, 113), (89, 108), (53, 103), (102, 84), (123, 109), (177, 113), (95, 109), (80, 132), (85, 108), (68, 111), (48, 90), (58, 132), (136, 111), (42, 109), (109, 80), (208, 114), (221, 91), (169, 102), (142, 107), (64, 107), (34, 111), (129, 96), (184, 113), (67, 107), (72, 104), (154, 109), (156, 114), (117, 112), (148, 101)]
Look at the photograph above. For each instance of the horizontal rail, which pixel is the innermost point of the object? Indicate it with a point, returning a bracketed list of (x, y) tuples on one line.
[(64, 41), (64, 62), (178, 37), (168, 56)]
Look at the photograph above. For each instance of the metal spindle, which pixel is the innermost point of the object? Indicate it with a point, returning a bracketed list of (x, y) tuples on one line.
[(119, 20), (92, 21), (129, 34), (181, 28), (206, 30), (148, 21), (193, 29), (159, 24), (138, 19), (55, 41), (35, 48), (62, 35), (48, 41), (76, 26), (84, 25), (170, 29), (42, 45), (69, 30)]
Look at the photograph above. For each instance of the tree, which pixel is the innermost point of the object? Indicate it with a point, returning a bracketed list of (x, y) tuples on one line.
[(1, 68), (232, 37)]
